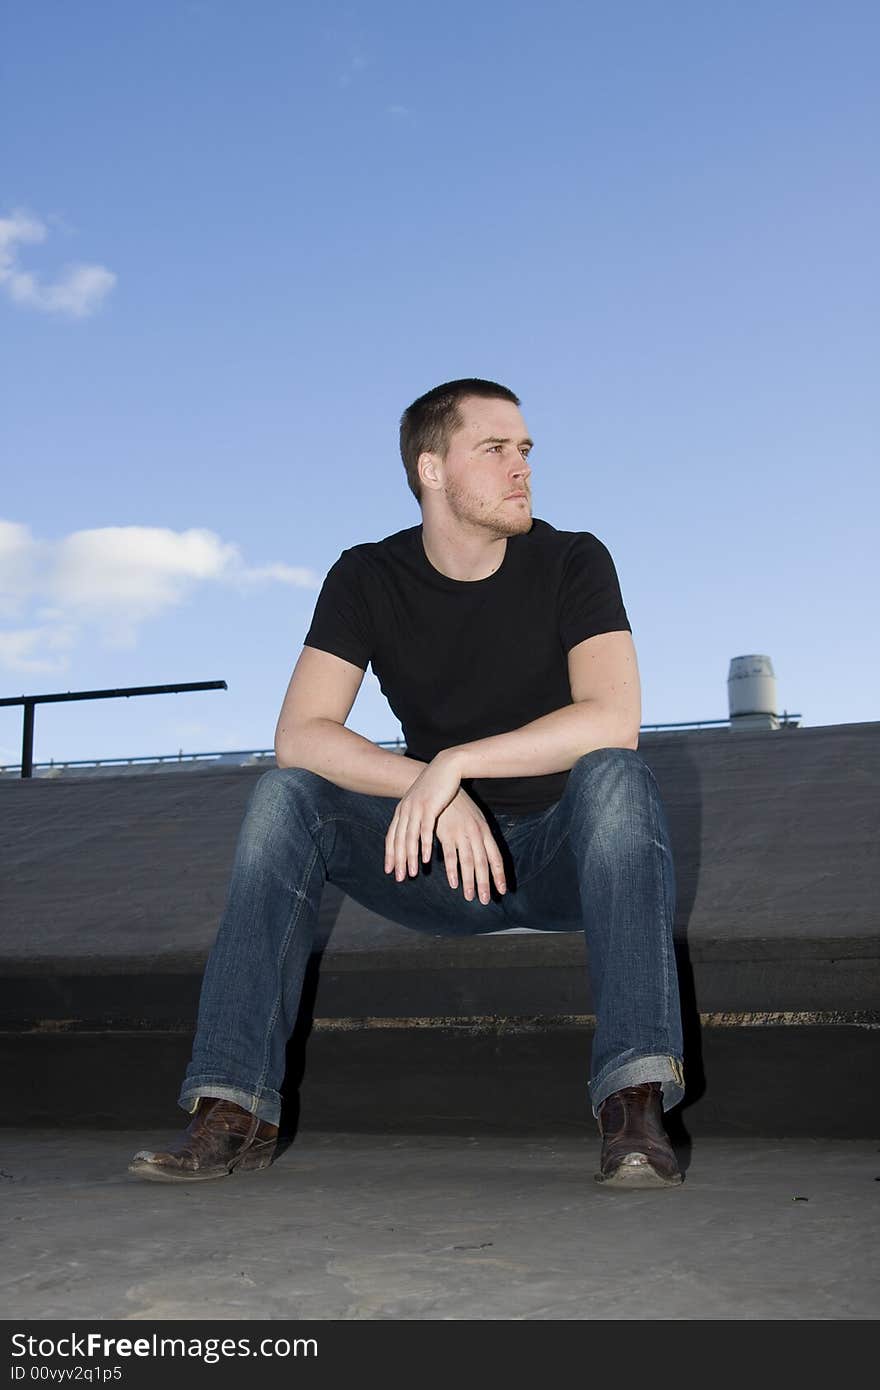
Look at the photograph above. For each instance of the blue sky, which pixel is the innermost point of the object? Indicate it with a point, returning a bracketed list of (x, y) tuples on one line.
[(237, 239)]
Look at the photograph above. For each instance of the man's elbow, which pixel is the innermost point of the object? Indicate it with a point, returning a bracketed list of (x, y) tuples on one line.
[(294, 743), (626, 741), (622, 733), (630, 728), (286, 754), (634, 731)]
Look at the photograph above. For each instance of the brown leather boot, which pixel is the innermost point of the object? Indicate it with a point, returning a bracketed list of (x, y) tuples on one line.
[(636, 1151), (222, 1138)]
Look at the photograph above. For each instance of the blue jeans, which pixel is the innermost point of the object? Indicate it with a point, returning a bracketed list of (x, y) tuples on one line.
[(597, 861)]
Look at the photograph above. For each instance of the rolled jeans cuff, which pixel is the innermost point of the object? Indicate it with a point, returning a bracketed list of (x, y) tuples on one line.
[(266, 1106), (636, 1070)]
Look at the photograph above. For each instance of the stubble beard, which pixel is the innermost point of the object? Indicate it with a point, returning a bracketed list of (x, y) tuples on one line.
[(504, 519)]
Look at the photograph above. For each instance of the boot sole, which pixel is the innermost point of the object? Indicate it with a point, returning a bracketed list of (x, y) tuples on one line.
[(630, 1176), (153, 1172)]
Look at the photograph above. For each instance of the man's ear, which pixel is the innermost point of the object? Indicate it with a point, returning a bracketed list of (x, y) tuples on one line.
[(429, 473)]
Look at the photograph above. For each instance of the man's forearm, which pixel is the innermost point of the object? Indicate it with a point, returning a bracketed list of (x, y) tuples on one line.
[(347, 759), (552, 743)]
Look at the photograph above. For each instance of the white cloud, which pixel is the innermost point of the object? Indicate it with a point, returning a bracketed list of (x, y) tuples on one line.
[(37, 649), (110, 580), (79, 290), (285, 574), (136, 570)]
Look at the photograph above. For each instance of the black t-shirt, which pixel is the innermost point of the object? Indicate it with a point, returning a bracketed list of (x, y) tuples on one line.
[(460, 660)]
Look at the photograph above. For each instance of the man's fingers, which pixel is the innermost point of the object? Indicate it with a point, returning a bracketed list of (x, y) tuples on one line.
[(406, 838), (399, 848), (469, 845), (496, 864), (411, 847), (481, 871), (478, 858), (466, 860), (450, 859), (389, 843), (473, 849)]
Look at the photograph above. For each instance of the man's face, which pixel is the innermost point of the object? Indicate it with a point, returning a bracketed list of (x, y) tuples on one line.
[(486, 475)]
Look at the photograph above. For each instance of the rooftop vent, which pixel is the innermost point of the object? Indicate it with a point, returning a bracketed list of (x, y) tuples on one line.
[(751, 693)]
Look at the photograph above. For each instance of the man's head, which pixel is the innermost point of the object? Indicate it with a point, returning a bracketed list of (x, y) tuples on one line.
[(465, 445)]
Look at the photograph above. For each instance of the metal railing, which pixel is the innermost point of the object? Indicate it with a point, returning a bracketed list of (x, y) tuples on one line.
[(179, 757), (30, 702), (784, 718), (172, 758)]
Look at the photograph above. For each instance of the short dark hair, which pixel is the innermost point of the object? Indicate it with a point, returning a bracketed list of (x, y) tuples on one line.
[(427, 425)]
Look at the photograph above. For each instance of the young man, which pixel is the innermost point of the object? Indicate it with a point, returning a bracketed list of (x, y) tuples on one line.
[(504, 648)]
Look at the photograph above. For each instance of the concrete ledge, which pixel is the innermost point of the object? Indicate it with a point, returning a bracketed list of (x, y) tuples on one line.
[(774, 839), (514, 975)]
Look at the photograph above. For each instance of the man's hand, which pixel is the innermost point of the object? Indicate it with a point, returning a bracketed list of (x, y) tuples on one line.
[(436, 797), (464, 833)]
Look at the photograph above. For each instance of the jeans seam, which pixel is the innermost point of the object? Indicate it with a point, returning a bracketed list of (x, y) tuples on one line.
[(291, 927), (661, 879), (351, 820)]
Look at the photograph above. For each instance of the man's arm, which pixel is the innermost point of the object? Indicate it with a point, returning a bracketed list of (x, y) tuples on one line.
[(604, 679), (603, 673), (311, 733)]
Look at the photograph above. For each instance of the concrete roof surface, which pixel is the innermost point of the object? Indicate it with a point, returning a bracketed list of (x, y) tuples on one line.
[(440, 1227)]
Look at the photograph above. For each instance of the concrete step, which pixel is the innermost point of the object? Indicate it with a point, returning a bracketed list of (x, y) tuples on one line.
[(768, 1079)]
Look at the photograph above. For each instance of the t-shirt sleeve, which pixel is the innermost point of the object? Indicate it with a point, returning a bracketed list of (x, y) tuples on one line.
[(590, 601), (341, 623)]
